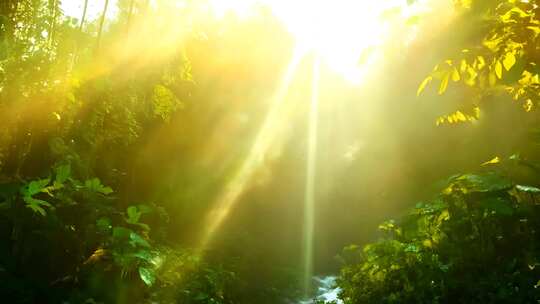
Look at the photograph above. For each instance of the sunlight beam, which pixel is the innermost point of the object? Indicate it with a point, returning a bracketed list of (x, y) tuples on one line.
[(309, 202), (262, 144)]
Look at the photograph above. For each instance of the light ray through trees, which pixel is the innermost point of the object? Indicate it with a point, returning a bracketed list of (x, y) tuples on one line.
[(266, 136), (311, 168)]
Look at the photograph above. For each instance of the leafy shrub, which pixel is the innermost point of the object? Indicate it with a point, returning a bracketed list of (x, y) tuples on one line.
[(477, 242)]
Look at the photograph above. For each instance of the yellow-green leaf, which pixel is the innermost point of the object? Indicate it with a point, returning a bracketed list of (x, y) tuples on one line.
[(459, 116), (493, 161), (498, 69), (444, 83), (476, 112), (528, 105), (509, 61), (423, 85), (455, 75)]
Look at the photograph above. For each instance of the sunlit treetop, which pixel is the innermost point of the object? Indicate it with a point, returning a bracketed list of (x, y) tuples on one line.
[(346, 34)]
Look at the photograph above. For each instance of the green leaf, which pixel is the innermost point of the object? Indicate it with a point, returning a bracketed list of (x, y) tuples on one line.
[(35, 187), (144, 255), (63, 173), (509, 61), (95, 185), (488, 182), (104, 224), (36, 204), (133, 214), (147, 276), (528, 189), (137, 240), (38, 209), (121, 233)]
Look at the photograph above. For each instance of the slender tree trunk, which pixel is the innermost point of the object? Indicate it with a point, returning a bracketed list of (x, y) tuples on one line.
[(83, 15), (52, 28), (101, 22), (76, 43)]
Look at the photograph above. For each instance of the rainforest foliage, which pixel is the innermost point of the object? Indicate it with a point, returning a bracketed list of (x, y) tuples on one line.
[(73, 227), (477, 241), (118, 134)]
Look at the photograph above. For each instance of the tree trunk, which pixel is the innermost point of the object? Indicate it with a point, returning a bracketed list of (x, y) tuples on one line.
[(101, 22), (83, 15), (52, 28)]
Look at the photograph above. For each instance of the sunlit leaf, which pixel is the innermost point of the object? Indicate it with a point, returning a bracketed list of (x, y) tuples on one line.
[(498, 69), (444, 84), (455, 75), (35, 187), (423, 85), (509, 61), (495, 160), (137, 240), (528, 105), (529, 189), (147, 276)]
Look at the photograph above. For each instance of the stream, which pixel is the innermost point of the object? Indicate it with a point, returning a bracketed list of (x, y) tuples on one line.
[(326, 290)]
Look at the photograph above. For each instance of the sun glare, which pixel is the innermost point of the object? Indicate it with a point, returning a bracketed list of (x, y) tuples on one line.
[(343, 33)]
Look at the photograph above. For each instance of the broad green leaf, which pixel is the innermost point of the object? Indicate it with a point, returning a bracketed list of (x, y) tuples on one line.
[(147, 276), (144, 255), (137, 240), (143, 226), (423, 85), (133, 214), (509, 61), (36, 204), (121, 233), (63, 172), (35, 187), (95, 185), (38, 209)]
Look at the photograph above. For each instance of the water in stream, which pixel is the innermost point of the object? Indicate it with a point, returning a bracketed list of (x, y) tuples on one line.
[(326, 290)]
